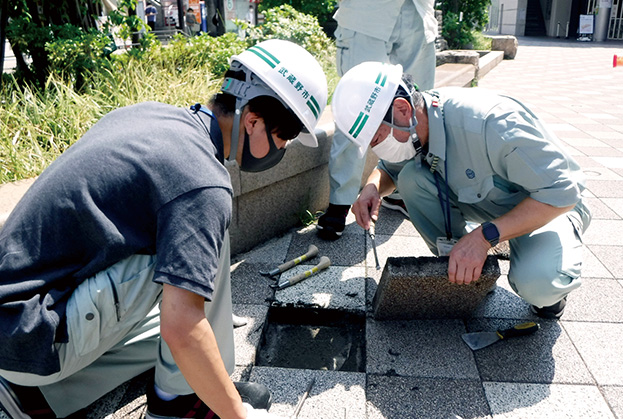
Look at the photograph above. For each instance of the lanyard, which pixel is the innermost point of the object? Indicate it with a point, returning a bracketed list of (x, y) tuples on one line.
[(444, 197), (214, 133)]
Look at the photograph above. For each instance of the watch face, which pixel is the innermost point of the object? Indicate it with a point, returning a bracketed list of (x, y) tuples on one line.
[(491, 233)]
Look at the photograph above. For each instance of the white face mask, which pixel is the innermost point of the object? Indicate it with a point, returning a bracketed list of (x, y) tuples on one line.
[(394, 151)]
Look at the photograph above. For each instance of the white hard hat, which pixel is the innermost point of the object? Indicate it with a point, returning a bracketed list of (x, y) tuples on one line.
[(291, 74), (362, 98)]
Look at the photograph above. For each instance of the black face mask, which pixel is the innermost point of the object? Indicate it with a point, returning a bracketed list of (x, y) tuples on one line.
[(250, 163)]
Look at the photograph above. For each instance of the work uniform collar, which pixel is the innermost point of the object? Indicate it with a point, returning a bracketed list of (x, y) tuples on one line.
[(436, 128)]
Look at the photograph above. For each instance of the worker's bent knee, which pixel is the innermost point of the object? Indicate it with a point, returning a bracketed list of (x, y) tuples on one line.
[(541, 287)]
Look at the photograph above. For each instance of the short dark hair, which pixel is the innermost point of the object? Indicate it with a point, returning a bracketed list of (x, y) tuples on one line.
[(281, 119)]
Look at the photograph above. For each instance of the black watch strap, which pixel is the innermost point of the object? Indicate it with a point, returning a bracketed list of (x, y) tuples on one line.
[(491, 233)]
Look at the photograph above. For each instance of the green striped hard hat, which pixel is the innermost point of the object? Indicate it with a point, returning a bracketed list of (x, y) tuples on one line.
[(291, 74), (362, 98)]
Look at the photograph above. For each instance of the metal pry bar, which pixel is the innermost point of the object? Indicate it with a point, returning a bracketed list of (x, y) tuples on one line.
[(299, 405), (373, 239)]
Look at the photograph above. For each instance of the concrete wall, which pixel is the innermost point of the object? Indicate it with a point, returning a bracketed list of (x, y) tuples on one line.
[(560, 12), (511, 19)]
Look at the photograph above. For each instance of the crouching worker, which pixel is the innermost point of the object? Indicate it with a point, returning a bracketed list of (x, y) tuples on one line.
[(463, 157), (117, 258)]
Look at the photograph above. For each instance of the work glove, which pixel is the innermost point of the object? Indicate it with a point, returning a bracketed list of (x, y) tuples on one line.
[(259, 413)]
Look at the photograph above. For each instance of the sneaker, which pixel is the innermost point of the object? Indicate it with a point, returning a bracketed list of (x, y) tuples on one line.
[(190, 406), (21, 402), (331, 224), (550, 312), (395, 204)]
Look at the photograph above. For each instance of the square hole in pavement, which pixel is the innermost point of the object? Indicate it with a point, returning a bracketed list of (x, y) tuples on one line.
[(317, 339)]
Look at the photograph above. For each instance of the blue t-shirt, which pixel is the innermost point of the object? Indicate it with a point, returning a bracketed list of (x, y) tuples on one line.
[(145, 179)]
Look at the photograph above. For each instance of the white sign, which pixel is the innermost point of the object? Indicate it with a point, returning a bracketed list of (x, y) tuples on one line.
[(586, 24), (605, 4)]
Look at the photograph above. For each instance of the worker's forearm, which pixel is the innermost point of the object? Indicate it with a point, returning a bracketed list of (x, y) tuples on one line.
[(382, 181), (194, 348), (527, 216)]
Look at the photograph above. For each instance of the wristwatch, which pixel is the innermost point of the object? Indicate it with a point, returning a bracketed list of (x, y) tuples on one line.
[(491, 233)]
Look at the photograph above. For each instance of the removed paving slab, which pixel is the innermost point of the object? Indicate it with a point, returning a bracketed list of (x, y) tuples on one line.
[(418, 288)]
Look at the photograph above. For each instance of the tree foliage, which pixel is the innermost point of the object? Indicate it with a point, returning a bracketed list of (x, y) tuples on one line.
[(460, 18), (63, 36), (322, 9)]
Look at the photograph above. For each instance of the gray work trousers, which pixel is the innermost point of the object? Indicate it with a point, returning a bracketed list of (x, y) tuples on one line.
[(109, 345)]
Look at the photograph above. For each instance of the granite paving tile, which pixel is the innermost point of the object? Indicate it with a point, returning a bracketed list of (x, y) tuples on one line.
[(395, 246), (601, 210), (598, 299), (601, 348), (592, 267), (410, 397), (336, 287), (273, 252), (610, 256), (601, 173), (248, 286), (547, 356), (606, 188), (604, 232), (419, 348), (611, 162), (348, 251), (527, 400), (247, 337), (504, 303), (334, 394), (614, 397)]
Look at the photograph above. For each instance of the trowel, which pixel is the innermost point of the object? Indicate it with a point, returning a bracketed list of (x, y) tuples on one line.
[(479, 340)]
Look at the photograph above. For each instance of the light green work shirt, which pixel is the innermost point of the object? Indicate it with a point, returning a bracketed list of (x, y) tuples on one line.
[(498, 152)]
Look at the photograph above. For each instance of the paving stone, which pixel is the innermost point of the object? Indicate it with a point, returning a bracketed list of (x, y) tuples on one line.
[(609, 256), (520, 401), (412, 288), (503, 303), (347, 251), (419, 348), (597, 300), (334, 395), (247, 337), (409, 397), (544, 357), (604, 232), (248, 286), (394, 246), (614, 397), (336, 287), (592, 267), (601, 348)]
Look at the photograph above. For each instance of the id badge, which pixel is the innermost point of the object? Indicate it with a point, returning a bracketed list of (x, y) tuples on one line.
[(444, 245)]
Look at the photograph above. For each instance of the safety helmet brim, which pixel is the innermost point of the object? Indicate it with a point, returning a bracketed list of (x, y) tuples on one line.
[(295, 76)]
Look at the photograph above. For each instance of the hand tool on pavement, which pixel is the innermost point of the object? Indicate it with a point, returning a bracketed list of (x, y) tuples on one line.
[(479, 340), (372, 237), (299, 405), (312, 251), (325, 262)]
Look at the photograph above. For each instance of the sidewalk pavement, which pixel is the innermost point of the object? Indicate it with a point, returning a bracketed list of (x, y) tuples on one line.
[(572, 368)]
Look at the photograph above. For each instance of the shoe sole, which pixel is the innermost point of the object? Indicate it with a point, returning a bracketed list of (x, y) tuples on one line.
[(394, 207), (328, 234), (9, 404)]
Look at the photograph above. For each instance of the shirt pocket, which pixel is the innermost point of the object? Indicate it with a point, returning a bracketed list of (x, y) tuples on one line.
[(343, 39)]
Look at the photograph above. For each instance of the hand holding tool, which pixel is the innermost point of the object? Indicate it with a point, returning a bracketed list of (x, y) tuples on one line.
[(479, 340), (299, 405), (312, 251), (325, 262), (372, 237)]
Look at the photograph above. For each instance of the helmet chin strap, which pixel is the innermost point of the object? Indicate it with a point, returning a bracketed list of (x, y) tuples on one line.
[(235, 129)]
